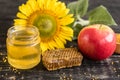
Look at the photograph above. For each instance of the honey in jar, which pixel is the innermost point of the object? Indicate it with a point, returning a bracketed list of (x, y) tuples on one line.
[(23, 47)]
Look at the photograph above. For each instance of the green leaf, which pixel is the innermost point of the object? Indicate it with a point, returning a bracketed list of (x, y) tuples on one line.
[(72, 7), (82, 7), (79, 7), (100, 15), (77, 29)]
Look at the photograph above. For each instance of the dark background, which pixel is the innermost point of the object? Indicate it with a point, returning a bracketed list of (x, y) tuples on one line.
[(9, 8), (108, 69)]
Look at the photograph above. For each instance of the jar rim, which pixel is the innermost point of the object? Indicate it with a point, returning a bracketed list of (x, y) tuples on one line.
[(15, 30)]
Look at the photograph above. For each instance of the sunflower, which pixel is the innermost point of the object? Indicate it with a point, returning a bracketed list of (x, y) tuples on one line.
[(51, 17)]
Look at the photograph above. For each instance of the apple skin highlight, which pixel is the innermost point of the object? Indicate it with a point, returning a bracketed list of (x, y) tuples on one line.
[(97, 42)]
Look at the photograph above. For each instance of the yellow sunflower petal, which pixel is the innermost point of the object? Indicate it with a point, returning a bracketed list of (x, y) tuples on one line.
[(62, 39), (22, 16), (33, 4), (46, 4), (41, 3), (67, 20), (50, 4), (63, 13), (67, 30), (43, 46), (28, 7), (20, 22), (61, 9), (51, 44), (59, 42), (25, 9), (66, 33), (66, 37)]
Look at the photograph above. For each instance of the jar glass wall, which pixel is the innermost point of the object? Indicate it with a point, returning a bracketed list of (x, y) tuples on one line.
[(23, 47)]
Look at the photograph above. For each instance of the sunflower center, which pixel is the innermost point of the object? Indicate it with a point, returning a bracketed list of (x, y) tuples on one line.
[(46, 25)]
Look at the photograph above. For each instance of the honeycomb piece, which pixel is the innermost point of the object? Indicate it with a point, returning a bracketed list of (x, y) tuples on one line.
[(62, 58)]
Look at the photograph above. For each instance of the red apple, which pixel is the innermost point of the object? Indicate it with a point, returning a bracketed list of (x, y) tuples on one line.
[(97, 41)]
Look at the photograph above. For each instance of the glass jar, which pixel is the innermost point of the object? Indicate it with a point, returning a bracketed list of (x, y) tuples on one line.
[(23, 47)]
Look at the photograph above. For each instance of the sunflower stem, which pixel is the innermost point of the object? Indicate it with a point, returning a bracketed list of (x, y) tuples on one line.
[(81, 21)]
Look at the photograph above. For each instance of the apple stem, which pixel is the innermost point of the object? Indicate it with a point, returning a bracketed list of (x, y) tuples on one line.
[(100, 25)]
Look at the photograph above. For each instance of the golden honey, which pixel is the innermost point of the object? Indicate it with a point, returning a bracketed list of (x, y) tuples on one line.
[(23, 47), (118, 37), (117, 43)]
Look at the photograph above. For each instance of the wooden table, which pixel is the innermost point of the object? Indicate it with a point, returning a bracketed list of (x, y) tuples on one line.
[(108, 69)]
